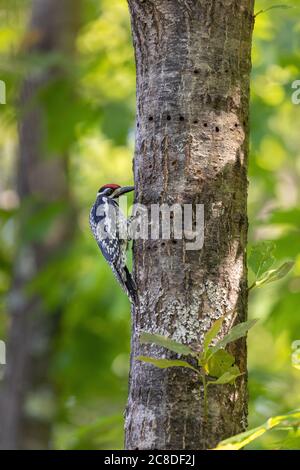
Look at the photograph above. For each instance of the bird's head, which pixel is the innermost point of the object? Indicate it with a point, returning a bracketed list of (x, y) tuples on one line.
[(114, 190)]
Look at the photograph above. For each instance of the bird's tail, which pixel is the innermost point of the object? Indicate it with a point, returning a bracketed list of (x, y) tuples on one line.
[(130, 286)]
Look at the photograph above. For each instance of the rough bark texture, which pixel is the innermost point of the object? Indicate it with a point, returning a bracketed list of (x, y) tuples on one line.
[(193, 62), (42, 181)]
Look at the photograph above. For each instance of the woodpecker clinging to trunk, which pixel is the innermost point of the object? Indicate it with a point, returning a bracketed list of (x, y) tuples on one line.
[(109, 227)]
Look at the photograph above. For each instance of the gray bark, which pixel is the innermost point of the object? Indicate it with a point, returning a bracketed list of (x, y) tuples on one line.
[(193, 60), (41, 180)]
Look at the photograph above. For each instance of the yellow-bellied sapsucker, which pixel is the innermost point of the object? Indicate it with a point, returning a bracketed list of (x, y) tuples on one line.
[(110, 229)]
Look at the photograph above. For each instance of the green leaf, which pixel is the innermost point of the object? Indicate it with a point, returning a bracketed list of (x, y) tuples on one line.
[(241, 440), (212, 333), (235, 333), (164, 341), (275, 274), (219, 363), (261, 257), (228, 377), (166, 363)]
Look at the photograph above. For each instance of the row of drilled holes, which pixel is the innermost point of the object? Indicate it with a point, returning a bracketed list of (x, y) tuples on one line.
[(181, 118), (154, 247)]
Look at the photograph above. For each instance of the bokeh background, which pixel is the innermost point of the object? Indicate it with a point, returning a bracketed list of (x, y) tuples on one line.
[(74, 101)]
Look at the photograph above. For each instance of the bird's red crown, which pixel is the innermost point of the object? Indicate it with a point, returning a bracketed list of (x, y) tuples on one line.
[(111, 185)]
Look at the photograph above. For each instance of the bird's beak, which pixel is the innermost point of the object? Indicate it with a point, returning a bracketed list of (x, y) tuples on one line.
[(120, 191)]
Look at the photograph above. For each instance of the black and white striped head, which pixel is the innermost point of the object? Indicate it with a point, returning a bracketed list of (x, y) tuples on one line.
[(114, 191)]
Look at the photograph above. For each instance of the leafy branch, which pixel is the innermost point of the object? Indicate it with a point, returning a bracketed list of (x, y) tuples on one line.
[(289, 422), (241, 440), (261, 260), (215, 366)]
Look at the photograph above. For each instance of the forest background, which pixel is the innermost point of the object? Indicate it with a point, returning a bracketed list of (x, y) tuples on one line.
[(89, 120)]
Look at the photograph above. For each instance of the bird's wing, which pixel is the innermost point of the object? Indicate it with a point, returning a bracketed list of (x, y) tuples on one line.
[(112, 247), (126, 281)]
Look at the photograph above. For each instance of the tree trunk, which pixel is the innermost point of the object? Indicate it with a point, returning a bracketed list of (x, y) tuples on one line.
[(42, 182), (193, 60)]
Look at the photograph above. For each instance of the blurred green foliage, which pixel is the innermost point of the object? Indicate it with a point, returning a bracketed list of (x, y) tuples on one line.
[(91, 113)]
